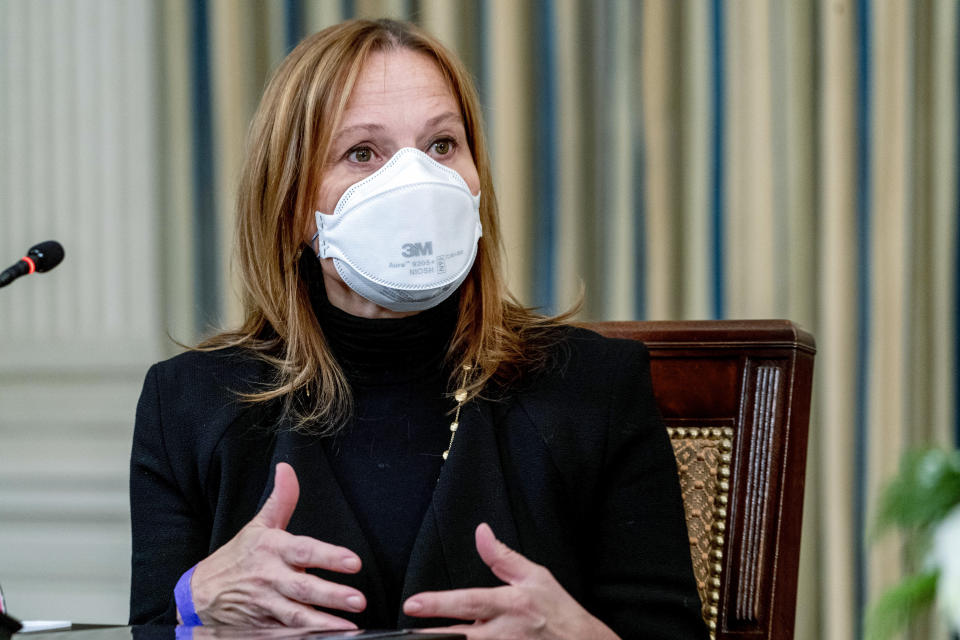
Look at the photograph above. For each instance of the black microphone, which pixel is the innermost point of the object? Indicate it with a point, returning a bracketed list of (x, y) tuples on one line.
[(41, 257), (8, 625)]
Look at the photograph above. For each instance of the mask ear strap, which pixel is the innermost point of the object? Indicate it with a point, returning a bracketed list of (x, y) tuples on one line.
[(314, 239)]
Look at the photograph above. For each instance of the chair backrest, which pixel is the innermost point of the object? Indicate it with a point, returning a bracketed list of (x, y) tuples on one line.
[(735, 396)]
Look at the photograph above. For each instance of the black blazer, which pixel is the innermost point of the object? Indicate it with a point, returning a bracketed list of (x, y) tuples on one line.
[(574, 470)]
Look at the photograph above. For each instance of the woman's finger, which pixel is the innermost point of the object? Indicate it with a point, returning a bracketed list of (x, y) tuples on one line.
[(276, 511), (306, 552), (505, 563), (293, 614), (311, 590), (460, 604)]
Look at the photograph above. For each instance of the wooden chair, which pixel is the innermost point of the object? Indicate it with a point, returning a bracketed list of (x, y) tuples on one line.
[(735, 396)]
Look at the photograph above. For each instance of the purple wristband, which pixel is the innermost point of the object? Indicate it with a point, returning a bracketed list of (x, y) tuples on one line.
[(184, 597)]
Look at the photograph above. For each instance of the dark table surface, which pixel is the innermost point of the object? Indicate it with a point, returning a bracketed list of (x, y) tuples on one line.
[(169, 632)]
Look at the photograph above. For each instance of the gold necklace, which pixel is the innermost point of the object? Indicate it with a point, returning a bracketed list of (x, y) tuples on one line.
[(459, 395)]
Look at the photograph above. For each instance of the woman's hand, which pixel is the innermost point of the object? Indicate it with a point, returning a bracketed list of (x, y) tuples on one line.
[(258, 578), (532, 605)]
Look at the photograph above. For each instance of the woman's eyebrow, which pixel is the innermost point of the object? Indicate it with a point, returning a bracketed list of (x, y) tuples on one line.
[(372, 127), (446, 116), (366, 128)]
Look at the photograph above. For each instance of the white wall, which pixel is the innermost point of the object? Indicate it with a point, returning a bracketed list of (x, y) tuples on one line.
[(78, 163)]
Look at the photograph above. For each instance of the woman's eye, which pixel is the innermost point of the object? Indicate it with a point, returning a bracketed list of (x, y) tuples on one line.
[(442, 147), (360, 154)]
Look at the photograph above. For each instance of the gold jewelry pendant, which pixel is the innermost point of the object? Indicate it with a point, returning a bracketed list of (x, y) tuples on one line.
[(460, 395)]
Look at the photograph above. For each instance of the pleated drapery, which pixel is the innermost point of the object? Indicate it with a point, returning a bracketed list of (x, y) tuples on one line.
[(678, 159)]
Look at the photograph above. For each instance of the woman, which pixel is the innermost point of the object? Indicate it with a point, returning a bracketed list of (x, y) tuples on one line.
[(389, 440)]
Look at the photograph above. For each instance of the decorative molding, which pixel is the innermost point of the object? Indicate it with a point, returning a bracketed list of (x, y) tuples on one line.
[(766, 388), (706, 496)]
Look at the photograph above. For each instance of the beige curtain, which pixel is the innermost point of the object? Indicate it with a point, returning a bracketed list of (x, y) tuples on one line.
[(680, 159)]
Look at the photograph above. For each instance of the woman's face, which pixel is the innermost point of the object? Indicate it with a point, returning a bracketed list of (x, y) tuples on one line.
[(401, 99)]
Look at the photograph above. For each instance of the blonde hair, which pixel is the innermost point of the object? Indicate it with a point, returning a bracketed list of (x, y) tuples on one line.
[(288, 144)]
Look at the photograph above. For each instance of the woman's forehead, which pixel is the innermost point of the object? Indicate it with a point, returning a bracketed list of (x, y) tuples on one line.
[(397, 81)]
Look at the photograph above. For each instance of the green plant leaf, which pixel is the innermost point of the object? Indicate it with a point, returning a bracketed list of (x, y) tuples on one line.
[(923, 492), (894, 609)]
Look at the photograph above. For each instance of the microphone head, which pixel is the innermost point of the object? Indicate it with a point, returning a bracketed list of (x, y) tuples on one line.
[(46, 255)]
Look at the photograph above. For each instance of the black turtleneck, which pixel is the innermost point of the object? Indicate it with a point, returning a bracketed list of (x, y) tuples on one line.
[(388, 456)]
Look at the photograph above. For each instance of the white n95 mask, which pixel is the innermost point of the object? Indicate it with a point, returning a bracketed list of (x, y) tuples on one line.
[(405, 236)]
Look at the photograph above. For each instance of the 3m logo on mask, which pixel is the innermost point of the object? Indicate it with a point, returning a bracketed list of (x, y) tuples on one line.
[(417, 249)]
